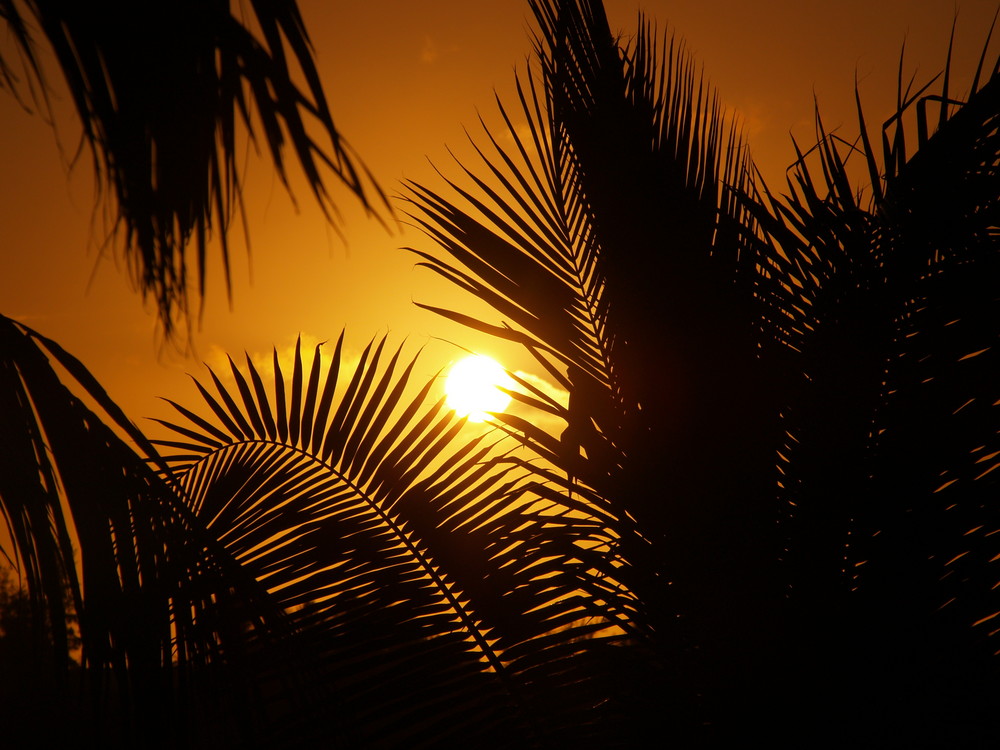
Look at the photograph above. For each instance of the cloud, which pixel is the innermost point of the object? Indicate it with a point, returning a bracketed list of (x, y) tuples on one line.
[(549, 423), (554, 392), (28, 319), (522, 130), (754, 119)]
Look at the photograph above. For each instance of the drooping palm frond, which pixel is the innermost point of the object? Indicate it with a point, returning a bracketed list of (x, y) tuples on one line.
[(85, 513), (160, 90), (891, 308), (440, 596), (11, 16)]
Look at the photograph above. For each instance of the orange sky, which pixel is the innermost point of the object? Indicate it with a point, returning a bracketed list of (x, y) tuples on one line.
[(404, 80)]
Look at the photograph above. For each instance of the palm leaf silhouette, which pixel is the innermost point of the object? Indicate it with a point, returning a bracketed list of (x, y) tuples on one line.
[(331, 558), (891, 312), (706, 330), (71, 484), (612, 243), (439, 594), (160, 91)]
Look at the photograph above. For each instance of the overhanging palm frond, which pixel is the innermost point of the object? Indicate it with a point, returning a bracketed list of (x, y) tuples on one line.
[(160, 89), (440, 597), (146, 579), (11, 15)]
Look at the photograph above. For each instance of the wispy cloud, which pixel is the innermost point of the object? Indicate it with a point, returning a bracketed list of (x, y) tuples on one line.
[(551, 390), (543, 420)]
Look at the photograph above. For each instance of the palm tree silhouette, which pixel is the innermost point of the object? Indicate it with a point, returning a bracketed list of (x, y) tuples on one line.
[(783, 389), (162, 90), (769, 513)]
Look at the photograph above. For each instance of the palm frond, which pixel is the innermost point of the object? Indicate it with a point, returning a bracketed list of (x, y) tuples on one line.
[(439, 594), (160, 91), (611, 244), (153, 595), (728, 324), (11, 16), (891, 311)]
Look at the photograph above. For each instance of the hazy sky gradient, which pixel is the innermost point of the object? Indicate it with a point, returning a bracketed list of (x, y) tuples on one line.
[(405, 81)]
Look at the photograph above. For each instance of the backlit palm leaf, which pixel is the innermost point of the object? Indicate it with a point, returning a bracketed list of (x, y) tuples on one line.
[(610, 243), (439, 594)]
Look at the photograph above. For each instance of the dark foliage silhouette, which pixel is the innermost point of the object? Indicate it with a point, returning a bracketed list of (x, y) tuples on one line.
[(161, 90), (741, 364), (769, 514), (634, 270), (442, 595), (152, 578), (29, 688), (891, 310), (321, 562)]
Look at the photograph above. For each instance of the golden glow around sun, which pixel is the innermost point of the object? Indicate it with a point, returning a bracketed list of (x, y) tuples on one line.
[(471, 387)]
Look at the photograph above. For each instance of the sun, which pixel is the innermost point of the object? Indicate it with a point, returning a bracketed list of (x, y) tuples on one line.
[(472, 388)]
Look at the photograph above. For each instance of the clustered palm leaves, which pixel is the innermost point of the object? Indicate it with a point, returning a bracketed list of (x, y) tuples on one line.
[(161, 90), (771, 508), (781, 391), (298, 555)]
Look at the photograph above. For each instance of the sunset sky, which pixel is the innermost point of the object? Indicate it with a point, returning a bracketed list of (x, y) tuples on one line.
[(405, 80)]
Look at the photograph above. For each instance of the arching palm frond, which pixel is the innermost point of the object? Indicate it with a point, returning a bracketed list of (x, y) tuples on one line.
[(615, 196), (145, 580), (892, 310), (440, 597), (611, 244), (160, 90)]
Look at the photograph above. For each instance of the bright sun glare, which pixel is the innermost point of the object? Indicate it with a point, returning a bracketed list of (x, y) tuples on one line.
[(471, 387)]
